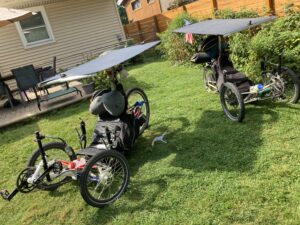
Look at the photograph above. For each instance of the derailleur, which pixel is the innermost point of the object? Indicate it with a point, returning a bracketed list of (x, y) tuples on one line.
[(277, 86)]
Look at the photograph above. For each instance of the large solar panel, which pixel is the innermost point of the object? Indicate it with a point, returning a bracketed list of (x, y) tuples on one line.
[(105, 61), (223, 27)]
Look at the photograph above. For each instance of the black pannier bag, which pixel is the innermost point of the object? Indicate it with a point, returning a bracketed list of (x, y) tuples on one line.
[(122, 132)]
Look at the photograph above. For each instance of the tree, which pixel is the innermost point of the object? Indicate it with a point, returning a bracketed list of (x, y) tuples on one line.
[(123, 14)]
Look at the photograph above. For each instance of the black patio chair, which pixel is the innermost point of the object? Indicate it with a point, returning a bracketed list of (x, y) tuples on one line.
[(27, 79), (5, 92)]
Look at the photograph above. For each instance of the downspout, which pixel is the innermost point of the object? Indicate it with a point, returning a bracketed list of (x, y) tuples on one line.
[(120, 22), (160, 6)]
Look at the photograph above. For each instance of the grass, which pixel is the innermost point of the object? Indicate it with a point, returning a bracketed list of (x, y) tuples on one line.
[(211, 171)]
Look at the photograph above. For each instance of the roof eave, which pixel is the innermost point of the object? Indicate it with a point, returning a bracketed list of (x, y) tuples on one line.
[(26, 3)]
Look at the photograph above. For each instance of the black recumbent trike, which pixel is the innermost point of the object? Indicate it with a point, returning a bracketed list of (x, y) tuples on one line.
[(219, 75), (101, 168)]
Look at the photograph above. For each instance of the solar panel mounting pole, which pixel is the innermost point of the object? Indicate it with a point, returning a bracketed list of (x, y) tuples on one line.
[(112, 73), (220, 44), (220, 80)]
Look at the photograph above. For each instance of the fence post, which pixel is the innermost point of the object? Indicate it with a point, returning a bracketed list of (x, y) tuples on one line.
[(125, 31), (139, 30), (271, 6), (156, 24), (215, 5)]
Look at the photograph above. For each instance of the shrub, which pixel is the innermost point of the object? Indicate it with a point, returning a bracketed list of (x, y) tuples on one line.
[(280, 37), (173, 45), (268, 41), (230, 14)]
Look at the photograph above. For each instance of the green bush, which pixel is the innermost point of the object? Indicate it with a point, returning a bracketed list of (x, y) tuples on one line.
[(280, 37), (173, 45), (248, 48), (230, 14), (268, 41)]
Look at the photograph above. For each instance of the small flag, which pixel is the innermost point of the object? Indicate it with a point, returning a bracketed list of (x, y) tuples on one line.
[(189, 38)]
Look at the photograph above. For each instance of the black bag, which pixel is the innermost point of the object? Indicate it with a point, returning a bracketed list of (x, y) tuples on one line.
[(121, 132)]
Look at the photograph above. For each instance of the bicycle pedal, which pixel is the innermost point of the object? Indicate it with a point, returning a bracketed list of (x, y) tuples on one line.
[(4, 194)]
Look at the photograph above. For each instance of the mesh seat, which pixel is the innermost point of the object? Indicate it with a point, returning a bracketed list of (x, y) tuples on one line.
[(232, 75)]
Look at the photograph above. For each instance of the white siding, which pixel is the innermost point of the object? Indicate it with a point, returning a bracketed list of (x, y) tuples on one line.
[(78, 27)]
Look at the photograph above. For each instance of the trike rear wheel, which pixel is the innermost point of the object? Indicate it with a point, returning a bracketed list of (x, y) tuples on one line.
[(104, 178), (291, 85), (137, 95), (232, 102)]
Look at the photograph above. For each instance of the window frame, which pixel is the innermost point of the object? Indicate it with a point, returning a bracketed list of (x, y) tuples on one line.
[(131, 3), (51, 38)]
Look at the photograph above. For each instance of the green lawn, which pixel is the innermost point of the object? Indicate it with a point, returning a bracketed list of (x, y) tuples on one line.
[(211, 171)]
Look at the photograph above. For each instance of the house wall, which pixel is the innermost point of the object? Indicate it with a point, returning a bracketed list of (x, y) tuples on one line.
[(82, 29), (165, 4), (146, 10)]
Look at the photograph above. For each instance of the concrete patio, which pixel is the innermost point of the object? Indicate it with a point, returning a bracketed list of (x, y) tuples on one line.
[(9, 116)]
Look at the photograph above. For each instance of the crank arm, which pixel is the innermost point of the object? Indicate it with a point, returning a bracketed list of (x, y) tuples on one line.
[(45, 174), (8, 196)]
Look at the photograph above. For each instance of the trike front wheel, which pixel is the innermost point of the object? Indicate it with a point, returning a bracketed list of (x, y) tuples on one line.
[(232, 102), (209, 81), (104, 178), (54, 151)]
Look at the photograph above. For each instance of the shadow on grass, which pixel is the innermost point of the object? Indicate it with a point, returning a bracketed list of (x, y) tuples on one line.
[(217, 143), (134, 194), (214, 144)]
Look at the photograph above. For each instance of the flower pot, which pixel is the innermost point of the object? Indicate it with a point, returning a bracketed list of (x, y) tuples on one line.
[(88, 88)]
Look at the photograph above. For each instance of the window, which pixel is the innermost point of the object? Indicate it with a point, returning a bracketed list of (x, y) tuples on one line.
[(150, 1), (136, 4), (35, 30)]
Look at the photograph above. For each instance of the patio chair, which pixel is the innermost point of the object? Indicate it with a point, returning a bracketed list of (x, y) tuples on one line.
[(4, 91), (47, 72), (27, 78)]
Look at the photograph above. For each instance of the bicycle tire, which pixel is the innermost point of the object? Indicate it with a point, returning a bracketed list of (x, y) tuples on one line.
[(232, 90), (61, 147), (144, 97), (99, 172)]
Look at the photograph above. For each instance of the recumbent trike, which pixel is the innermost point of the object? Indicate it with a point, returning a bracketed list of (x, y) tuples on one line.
[(219, 74), (101, 168)]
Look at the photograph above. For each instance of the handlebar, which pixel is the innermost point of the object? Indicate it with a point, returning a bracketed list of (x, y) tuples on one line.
[(82, 136), (82, 127)]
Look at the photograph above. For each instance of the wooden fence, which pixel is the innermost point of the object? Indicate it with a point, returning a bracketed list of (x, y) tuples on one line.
[(146, 29)]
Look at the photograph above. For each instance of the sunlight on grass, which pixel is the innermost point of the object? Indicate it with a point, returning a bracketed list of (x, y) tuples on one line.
[(211, 171)]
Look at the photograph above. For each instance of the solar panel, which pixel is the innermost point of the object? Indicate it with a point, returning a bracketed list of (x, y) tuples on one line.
[(223, 27), (103, 62)]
